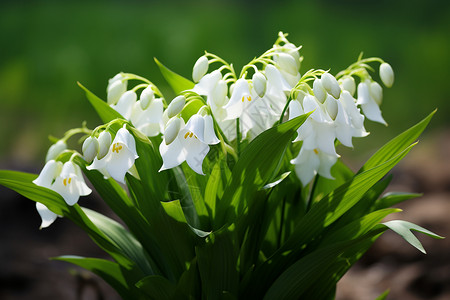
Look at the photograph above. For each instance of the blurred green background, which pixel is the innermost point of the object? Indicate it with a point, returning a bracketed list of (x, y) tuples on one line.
[(47, 46)]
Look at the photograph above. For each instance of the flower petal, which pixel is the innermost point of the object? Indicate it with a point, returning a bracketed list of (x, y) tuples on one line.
[(47, 216)]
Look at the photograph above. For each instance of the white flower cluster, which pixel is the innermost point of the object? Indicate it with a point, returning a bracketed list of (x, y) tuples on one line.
[(113, 159), (230, 108)]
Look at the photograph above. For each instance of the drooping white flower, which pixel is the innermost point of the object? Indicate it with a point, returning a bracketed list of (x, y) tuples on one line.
[(120, 157), (47, 216), (318, 131), (255, 115), (125, 104), (147, 113), (368, 103), (116, 87), (55, 150), (190, 145), (387, 74), (308, 163), (347, 83), (215, 89), (354, 115), (45, 179), (70, 183)]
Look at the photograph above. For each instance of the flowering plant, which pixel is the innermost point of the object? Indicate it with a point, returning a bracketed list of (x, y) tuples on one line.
[(233, 189)]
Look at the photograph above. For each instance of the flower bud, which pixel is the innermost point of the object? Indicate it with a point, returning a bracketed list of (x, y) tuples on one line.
[(116, 87), (200, 68), (176, 106), (332, 107), (387, 74), (319, 91), (90, 148), (291, 49), (146, 97), (287, 63), (376, 91), (331, 85), (348, 84), (172, 129), (55, 150), (259, 83), (104, 142)]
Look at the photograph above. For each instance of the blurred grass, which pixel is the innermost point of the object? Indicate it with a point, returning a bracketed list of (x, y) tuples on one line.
[(47, 46)]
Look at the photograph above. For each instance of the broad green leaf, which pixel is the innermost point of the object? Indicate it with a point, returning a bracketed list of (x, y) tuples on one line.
[(403, 228), (177, 82), (215, 186), (175, 210), (393, 198), (105, 112), (110, 271), (189, 283), (129, 245), (22, 183), (217, 260), (321, 215), (157, 287), (397, 144), (255, 167), (297, 278)]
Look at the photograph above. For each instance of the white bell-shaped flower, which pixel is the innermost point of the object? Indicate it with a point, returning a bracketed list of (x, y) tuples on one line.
[(308, 163), (70, 183), (318, 130), (125, 104), (190, 145), (104, 142), (354, 114), (120, 157), (45, 179), (48, 174), (215, 89), (148, 120), (368, 104), (348, 84), (47, 216)]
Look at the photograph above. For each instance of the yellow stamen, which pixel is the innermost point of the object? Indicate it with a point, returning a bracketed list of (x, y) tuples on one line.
[(315, 151), (186, 135), (116, 147), (191, 134), (243, 98), (66, 182), (249, 98)]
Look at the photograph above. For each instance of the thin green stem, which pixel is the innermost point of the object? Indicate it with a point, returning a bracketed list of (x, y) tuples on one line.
[(311, 194)]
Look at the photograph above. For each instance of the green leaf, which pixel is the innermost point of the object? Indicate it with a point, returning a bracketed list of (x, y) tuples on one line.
[(217, 260), (393, 198), (297, 278), (191, 109), (403, 228), (321, 215), (397, 144), (22, 184), (105, 112), (255, 167), (177, 82), (129, 245), (110, 271), (383, 296), (157, 287)]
